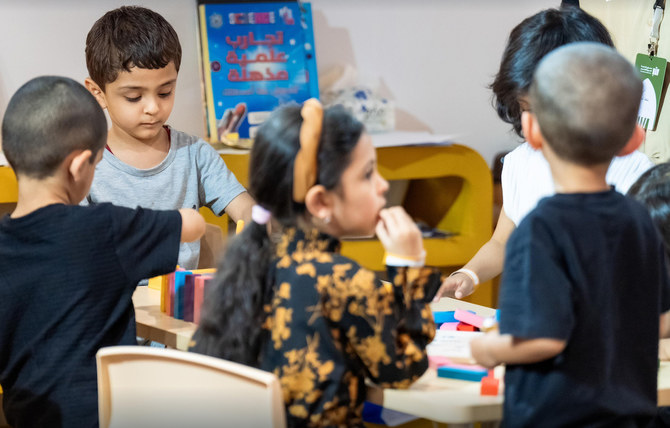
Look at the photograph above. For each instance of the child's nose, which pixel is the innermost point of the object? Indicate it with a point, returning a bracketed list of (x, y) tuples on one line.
[(151, 106), (382, 184)]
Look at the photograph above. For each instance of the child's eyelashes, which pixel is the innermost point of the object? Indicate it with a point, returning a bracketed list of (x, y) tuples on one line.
[(139, 97)]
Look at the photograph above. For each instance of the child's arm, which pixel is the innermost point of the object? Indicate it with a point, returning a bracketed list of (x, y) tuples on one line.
[(664, 324), (486, 263), (389, 324), (494, 349), (240, 207), (192, 225)]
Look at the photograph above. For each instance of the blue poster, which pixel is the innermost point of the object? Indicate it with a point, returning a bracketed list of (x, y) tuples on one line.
[(256, 56)]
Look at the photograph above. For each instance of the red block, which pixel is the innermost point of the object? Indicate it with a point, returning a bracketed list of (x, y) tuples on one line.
[(489, 386), (465, 327)]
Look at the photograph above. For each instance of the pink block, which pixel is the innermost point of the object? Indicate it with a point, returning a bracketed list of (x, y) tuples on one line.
[(449, 326), (469, 318), (199, 295), (435, 361), (463, 366)]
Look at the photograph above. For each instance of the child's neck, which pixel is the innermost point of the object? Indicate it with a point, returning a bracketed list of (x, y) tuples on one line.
[(572, 178), (35, 194), (141, 154)]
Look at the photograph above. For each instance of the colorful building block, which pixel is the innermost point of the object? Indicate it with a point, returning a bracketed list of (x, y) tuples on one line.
[(451, 326), (443, 316), (490, 385), (469, 318), (471, 373), (465, 327)]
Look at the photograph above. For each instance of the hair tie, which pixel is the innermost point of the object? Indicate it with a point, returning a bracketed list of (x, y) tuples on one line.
[(304, 166), (260, 215)]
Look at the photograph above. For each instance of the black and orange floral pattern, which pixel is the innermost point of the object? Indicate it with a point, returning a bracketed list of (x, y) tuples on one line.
[(331, 323)]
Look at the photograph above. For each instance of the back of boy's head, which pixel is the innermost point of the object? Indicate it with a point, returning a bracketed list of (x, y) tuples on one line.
[(48, 118), (585, 97), (130, 36), (528, 43), (275, 148), (652, 189)]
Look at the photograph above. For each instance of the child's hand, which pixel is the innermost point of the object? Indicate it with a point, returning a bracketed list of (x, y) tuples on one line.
[(398, 234), (458, 285), (480, 348)]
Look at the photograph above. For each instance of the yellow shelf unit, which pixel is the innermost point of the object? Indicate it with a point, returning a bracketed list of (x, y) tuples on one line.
[(450, 188)]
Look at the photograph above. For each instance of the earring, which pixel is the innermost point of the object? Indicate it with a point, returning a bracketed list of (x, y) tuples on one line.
[(326, 219)]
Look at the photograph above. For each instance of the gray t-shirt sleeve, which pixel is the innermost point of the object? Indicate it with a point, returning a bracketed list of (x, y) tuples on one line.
[(218, 185)]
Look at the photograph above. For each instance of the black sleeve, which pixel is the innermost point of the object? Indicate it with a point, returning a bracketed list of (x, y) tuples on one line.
[(147, 241)]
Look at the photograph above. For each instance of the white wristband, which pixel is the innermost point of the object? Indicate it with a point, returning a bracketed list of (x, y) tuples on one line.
[(473, 276), (399, 261)]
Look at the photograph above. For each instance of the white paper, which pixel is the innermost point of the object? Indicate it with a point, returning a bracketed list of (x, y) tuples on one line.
[(401, 138), (452, 344)]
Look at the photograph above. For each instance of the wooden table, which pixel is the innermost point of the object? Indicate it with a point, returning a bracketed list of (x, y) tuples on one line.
[(156, 325), (437, 399), (448, 400)]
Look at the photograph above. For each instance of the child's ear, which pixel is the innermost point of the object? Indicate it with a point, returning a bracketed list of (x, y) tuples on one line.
[(531, 130), (98, 93), (319, 202), (80, 162), (634, 142)]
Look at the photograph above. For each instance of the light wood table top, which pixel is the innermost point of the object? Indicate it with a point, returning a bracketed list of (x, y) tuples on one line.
[(430, 397), (156, 325)]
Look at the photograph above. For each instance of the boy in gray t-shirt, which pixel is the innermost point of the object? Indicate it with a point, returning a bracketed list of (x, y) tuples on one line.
[(133, 56)]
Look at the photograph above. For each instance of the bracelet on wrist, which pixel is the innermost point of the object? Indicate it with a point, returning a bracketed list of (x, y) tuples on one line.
[(473, 276), (391, 259)]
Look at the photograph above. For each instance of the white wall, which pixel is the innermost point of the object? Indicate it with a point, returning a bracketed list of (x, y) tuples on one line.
[(435, 58)]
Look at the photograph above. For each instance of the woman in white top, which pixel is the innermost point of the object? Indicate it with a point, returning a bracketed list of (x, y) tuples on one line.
[(526, 177)]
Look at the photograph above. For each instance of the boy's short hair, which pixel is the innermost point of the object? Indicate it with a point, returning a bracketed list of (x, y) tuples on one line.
[(130, 36), (586, 97), (47, 119)]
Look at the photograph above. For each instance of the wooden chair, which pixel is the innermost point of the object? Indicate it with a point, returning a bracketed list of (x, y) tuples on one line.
[(154, 387), (211, 246)]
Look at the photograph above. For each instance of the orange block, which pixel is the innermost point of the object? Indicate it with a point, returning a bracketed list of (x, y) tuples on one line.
[(490, 385)]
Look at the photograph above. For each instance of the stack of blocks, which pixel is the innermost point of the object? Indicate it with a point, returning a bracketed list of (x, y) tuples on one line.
[(182, 292), (462, 320)]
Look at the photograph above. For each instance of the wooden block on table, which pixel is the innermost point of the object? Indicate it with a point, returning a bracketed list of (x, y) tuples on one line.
[(179, 282), (443, 316), (155, 282), (462, 372), (200, 284), (451, 326), (189, 288), (164, 291), (465, 327), (490, 385), (469, 318), (169, 296)]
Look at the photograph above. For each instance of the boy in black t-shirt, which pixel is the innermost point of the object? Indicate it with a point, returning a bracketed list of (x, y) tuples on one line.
[(585, 279), (67, 273)]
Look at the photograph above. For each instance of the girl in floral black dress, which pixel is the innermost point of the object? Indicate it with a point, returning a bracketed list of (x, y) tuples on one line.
[(286, 301)]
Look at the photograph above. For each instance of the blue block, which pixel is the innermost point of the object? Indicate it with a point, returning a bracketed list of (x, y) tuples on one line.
[(444, 316), (179, 282), (474, 375)]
